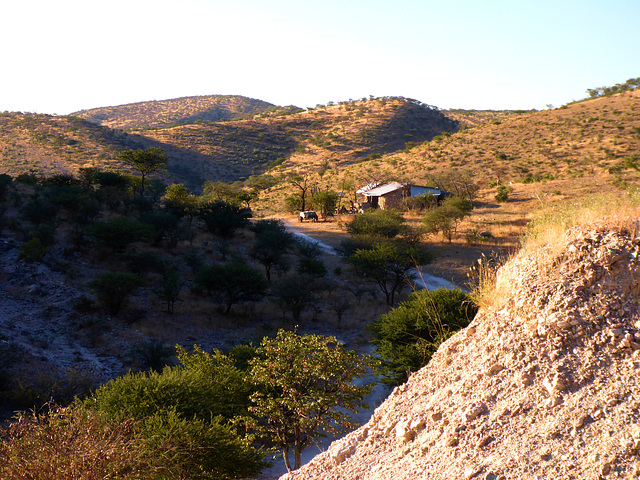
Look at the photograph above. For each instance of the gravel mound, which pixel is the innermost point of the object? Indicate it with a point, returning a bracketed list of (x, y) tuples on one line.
[(545, 385)]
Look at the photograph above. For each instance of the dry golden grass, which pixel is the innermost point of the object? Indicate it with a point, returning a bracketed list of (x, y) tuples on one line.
[(545, 240), (65, 446)]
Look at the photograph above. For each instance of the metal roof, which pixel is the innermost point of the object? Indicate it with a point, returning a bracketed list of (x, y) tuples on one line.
[(366, 188), (383, 190), (417, 191)]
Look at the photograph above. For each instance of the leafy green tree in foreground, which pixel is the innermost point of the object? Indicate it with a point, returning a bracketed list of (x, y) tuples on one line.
[(305, 387), (407, 336)]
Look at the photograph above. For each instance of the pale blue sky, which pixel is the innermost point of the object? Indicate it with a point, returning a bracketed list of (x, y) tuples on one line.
[(66, 55)]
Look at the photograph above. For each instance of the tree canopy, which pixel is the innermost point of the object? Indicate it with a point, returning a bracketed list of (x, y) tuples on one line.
[(377, 223), (407, 336), (145, 162), (305, 387), (389, 265)]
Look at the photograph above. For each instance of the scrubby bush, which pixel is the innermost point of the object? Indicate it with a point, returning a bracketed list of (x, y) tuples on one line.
[(32, 251), (118, 233), (312, 266), (446, 217), (380, 223), (83, 443), (191, 407), (503, 192), (113, 289), (406, 337)]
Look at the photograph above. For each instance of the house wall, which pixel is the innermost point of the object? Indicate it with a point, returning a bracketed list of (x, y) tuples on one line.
[(391, 199)]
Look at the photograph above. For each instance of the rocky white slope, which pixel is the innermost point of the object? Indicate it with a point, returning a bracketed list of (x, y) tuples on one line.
[(545, 386)]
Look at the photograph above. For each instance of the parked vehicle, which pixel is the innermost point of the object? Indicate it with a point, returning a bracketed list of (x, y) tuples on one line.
[(308, 215)]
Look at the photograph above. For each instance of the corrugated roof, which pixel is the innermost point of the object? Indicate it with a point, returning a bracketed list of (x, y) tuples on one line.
[(417, 190), (383, 190), (366, 188)]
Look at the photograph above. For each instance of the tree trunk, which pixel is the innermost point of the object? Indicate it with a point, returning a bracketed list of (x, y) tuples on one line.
[(298, 449), (285, 455)]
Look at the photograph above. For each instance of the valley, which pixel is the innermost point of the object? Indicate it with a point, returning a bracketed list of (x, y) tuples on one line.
[(210, 252)]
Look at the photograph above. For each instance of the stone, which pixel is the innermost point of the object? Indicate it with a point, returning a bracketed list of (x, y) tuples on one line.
[(493, 369), (341, 452), (474, 410), (452, 440)]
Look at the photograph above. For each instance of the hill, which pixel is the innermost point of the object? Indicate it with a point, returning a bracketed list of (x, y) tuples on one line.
[(542, 384), (343, 134), (162, 113), (594, 137), (223, 150), (48, 144)]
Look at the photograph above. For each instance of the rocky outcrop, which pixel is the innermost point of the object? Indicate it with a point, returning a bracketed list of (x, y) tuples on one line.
[(546, 385)]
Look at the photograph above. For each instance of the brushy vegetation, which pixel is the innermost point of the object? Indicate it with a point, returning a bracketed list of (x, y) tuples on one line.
[(409, 335), (165, 247)]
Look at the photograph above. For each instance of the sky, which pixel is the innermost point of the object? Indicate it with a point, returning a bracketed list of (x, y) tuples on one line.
[(61, 56)]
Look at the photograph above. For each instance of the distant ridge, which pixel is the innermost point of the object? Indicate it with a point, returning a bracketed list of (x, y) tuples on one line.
[(176, 111)]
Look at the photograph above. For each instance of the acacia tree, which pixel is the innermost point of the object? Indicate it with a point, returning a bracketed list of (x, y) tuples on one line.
[(114, 288), (325, 201), (272, 243), (303, 183), (305, 387), (389, 265), (148, 161), (446, 217), (232, 282)]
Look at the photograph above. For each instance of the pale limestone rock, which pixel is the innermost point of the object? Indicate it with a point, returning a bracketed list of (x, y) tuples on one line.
[(474, 410), (494, 368), (340, 452)]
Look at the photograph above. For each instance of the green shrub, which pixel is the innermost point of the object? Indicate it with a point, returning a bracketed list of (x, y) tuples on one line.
[(114, 288), (203, 449), (406, 337), (205, 384), (192, 407), (503, 192), (32, 251), (312, 266), (446, 217), (118, 233), (77, 442), (377, 223)]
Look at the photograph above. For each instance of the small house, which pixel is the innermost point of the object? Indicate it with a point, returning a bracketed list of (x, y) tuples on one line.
[(391, 195)]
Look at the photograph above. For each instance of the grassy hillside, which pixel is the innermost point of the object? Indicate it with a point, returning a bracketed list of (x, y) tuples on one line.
[(593, 137), (224, 150), (576, 153), (342, 134), (49, 145), (361, 141), (183, 110)]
